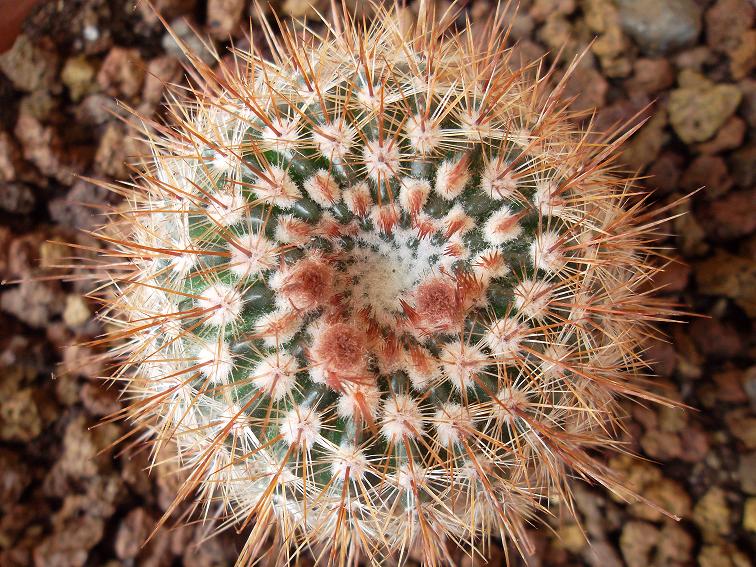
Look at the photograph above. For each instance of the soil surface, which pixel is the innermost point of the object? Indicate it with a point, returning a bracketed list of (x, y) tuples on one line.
[(69, 498)]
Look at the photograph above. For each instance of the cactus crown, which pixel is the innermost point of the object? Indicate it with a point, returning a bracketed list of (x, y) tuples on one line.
[(380, 291)]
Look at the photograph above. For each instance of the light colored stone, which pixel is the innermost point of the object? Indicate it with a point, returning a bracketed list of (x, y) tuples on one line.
[(76, 312)]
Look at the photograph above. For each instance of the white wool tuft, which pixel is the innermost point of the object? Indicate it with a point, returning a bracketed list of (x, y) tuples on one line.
[(381, 159), (276, 374), (461, 362), (451, 178), (221, 304), (424, 135), (282, 137), (545, 252), (358, 199), (277, 187), (546, 200), (532, 298), (556, 360), (477, 127), (411, 476), (503, 337), (501, 227), (278, 327), (381, 271), (401, 418), (301, 426), (348, 459), (358, 398), (257, 254), (323, 188), (224, 162), (452, 422), (216, 360), (507, 400), (226, 207), (413, 194), (498, 180), (291, 230), (457, 222), (422, 368), (334, 139)]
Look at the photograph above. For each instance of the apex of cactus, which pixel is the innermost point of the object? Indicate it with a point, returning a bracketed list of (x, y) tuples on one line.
[(380, 291)]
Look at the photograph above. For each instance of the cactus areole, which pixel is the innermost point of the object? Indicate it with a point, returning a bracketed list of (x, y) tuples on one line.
[(379, 294)]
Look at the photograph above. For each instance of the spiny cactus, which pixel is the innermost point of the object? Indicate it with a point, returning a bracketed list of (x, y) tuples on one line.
[(380, 292)]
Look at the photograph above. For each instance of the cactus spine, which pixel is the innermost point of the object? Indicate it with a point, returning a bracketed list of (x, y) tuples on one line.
[(380, 292)]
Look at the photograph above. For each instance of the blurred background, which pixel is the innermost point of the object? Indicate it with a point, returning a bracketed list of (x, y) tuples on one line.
[(67, 498)]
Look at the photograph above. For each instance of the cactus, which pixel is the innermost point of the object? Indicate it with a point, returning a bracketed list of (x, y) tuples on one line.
[(381, 293)]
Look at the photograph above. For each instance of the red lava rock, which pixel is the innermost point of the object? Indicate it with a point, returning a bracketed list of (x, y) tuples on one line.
[(695, 444), (628, 110), (122, 72), (690, 235), (645, 416), (674, 278), (78, 208), (708, 172), (732, 216), (661, 445), (715, 338), (20, 418), (743, 57), (662, 356), (664, 172), (28, 65), (602, 554), (742, 424), (729, 136), (99, 401), (698, 111), (33, 302), (118, 146), (637, 543), (675, 546), (729, 386), (525, 52), (80, 360), (748, 106), (695, 58), (69, 547), (542, 9), (10, 158), (96, 109), (135, 472), (726, 22), (168, 9), (6, 237), (224, 16), (643, 148), (651, 75), (42, 146), (741, 164), (161, 71), (731, 276), (15, 479), (17, 198), (747, 472), (588, 87), (132, 533)]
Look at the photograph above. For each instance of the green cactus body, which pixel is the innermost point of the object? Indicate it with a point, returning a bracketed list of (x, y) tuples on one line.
[(380, 293)]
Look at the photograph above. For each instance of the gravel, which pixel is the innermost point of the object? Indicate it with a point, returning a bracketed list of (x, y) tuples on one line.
[(69, 498)]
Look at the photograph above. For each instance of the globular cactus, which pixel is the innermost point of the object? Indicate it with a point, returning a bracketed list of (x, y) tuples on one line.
[(381, 293)]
